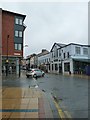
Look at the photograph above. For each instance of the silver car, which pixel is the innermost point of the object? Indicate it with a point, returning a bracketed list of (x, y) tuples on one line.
[(35, 73)]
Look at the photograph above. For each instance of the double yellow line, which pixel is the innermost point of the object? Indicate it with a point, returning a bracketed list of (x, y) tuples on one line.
[(62, 114)]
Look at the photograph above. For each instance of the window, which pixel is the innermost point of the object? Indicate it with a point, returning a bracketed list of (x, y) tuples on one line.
[(52, 67), (20, 33), (18, 46), (64, 55), (52, 54), (56, 67), (85, 51), (21, 22), (78, 50), (56, 53), (59, 53), (16, 33), (49, 59), (67, 54), (49, 66), (16, 20), (66, 67)]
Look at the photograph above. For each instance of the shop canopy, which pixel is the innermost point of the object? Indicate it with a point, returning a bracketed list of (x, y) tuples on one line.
[(81, 59)]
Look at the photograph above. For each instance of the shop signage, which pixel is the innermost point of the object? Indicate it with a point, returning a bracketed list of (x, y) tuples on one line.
[(17, 54)]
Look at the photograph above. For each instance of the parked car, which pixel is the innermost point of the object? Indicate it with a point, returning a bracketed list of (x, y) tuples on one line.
[(23, 67), (35, 73)]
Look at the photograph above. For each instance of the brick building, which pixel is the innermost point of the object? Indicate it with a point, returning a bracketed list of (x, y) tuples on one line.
[(12, 39)]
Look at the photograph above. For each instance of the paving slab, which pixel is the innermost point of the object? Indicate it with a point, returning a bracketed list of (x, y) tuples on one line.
[(25, 103)]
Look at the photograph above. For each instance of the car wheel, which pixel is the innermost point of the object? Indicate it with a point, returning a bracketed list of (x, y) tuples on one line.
[(27, 76), (42, 75), (34, 75)]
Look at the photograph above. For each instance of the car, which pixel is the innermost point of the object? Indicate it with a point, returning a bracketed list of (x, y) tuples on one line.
[(23, 67), (35, 73)]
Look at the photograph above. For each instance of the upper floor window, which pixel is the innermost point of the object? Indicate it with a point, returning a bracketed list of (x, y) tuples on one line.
[(64, 55), (52, 54), (49, 59), (21, 22), (16, 20), (18, 46), (68, 55), (85, 51), (16, 33), (77, 50), (59, 53), (56, 53), (20, 33)]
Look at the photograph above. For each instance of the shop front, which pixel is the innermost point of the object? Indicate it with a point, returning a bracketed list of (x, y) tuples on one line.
[(80, 66), (12, 65)]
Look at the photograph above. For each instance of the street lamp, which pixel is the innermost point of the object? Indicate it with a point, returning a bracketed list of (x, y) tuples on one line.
[(20, 61), (7, 57)]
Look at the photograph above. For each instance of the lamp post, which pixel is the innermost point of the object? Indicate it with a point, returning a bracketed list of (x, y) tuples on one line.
[(20, 61), (7, 57)]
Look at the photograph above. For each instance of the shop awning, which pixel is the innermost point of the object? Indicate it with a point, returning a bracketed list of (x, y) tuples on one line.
[(81, 59)]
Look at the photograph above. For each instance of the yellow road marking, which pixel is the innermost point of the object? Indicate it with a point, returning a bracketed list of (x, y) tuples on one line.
[(67, 113), (62, 114)]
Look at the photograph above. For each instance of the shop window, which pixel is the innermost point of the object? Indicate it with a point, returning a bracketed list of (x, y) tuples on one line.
[(52, 67), (56, 67), (49, 66)]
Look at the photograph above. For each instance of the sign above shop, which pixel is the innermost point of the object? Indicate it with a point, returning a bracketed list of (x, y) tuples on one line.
[(17, 54)]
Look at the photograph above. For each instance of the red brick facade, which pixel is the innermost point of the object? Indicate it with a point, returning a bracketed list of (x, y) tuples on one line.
[(8, 29)]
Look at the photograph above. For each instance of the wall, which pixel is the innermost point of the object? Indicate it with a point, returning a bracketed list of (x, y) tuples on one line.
[(7, 29)]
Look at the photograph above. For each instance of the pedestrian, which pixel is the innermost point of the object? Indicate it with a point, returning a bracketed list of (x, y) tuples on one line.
[(10, 69), (69, 72), (4, 69)]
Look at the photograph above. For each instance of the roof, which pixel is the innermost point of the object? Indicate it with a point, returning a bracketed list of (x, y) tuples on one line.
[(76, 44), (59, 44), (18, 14), (43, 53), (64, 45)]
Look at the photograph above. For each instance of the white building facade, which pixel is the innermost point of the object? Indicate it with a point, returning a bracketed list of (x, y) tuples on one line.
[(44, 62), (71, 58)]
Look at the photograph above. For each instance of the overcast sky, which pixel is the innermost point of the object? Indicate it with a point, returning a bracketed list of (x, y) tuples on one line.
[(50, 22)]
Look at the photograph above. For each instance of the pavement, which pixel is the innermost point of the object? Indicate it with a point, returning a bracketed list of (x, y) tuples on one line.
[(30, 102), (26, 103)]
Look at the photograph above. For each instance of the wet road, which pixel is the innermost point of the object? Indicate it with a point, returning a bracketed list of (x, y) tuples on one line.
[(71, 92)]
